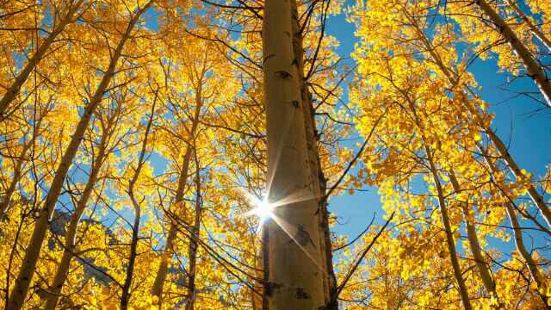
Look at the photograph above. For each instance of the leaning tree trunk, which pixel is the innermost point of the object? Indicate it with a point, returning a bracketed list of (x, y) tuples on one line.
[(24, 278), (70, 238), (536, 197), (535, 273), (15, 87), (450, 241), (533, 28), (449, 234), (533, 68), (195, 234), (125, 295), (533, 268), (479, 119), (474, 243), (158, 284), (293, 250)]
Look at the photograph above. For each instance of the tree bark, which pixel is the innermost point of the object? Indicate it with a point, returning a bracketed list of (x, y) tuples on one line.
[(449, 234), (517, 172), (160, 277), (158, 284), (125, 295), (20, 290), (477, 115), (295, 277), (70, 238), (317, 176), (535, 272), (474, 244), (15, 87), (194, 241), (533, 68), (533, 28)]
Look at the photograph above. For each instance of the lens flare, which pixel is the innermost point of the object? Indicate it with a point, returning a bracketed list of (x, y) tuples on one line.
[(263, 209)]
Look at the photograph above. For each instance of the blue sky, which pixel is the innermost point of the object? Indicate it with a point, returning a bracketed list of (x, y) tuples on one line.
[(520, 122)]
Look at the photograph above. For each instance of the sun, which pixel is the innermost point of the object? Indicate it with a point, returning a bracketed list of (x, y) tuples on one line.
[(263, 209)]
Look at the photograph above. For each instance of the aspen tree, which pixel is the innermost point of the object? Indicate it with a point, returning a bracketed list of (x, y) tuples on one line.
[(533, 68), (19, 292), (195, 235), (498, 143), (535, 272), (160, 277), (318, 179), (136, 204), (294, 273), (463, 292), (166, 213), (69, 16), (538, 33), (474, 243), (462, 92), (201, 71), (54, 293)]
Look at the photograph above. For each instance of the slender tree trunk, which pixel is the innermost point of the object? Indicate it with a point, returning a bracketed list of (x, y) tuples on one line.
[(158, 284), (160, 277), (498, 143), (125, 295), (70, 238), (533, 28), (317, 176), (449, 234), (194, 241), (450, 241), (295, 273), (533, 68), (157, 288), (15, 87), (19, 292), (536, 197), (535, 272), (474, 244)]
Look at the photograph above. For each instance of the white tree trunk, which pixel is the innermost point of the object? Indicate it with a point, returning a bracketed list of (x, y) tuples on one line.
[(24, 278), (533, 68), (294, 265), (15, 87)]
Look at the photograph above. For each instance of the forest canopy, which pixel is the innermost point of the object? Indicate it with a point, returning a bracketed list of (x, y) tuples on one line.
[(275, 154)]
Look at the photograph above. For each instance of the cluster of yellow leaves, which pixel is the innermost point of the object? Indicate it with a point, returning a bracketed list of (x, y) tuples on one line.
[(414, 93)]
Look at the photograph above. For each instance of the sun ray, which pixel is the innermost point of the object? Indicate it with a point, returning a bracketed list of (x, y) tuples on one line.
[(263, 209)]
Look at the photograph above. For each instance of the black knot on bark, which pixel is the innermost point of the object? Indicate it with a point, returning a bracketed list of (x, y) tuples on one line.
[(283, 74), (300, 293), (270, 287)]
